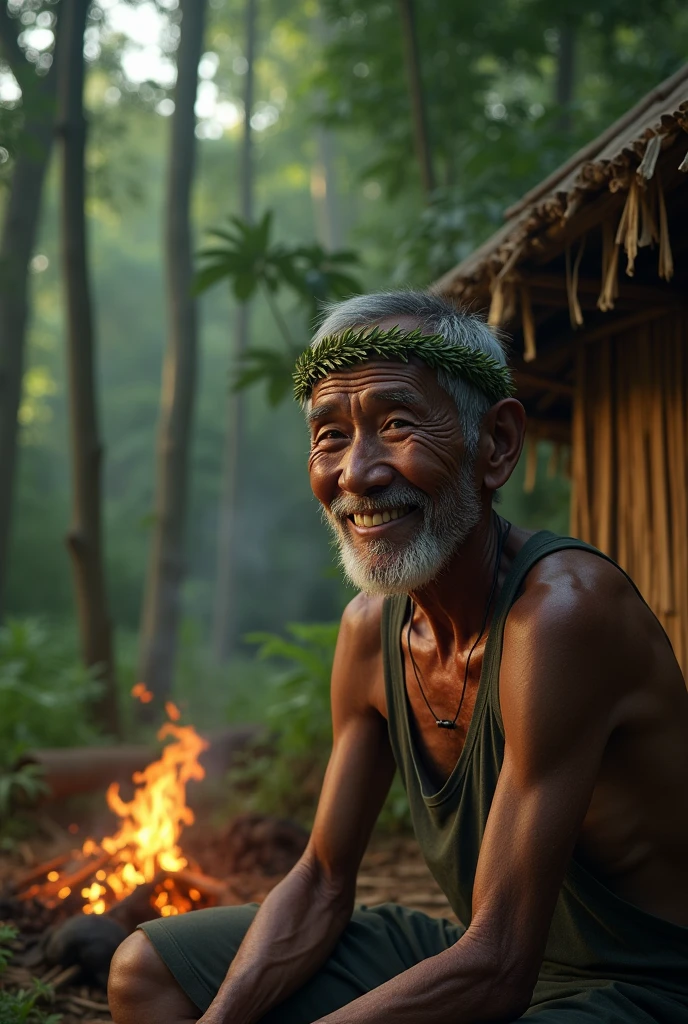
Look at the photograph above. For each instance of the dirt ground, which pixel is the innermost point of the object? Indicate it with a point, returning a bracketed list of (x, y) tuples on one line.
[(392, 871)]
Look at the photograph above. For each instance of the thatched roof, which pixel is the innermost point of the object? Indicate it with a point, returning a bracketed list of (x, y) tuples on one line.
[(554, 273)]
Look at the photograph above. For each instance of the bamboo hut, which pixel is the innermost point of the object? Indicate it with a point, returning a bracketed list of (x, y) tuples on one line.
[(589, 276)]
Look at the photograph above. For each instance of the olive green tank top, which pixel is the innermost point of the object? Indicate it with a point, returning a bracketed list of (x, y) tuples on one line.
[(593, 934)]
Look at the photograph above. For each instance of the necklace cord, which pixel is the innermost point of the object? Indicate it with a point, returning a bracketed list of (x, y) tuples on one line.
[(447, 723)]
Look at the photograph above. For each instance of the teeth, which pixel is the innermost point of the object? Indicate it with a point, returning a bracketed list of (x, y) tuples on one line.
[(378, 518)]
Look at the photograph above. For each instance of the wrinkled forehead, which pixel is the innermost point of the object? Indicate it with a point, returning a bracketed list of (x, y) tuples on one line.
[(413, 376), (378, 382)]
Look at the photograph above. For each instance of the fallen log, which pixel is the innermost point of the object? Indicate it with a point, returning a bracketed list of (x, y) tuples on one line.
[(73, 770)]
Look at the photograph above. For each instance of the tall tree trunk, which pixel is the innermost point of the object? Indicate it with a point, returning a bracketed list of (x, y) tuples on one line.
[(323, 178), (324, 191), (160, 617), (17, 241), (84, 540), (417, 96), (225, 611), (566, 75)]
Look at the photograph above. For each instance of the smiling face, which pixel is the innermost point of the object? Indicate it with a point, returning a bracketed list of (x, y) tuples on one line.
[(389, 465)]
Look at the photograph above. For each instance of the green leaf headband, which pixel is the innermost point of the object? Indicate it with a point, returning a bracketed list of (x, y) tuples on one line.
[(353, 346)]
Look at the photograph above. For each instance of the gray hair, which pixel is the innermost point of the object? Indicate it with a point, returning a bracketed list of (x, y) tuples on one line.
[(435, 316)]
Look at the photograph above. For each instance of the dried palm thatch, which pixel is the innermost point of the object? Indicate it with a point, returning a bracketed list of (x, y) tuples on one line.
[(625, 161), (582, 253)]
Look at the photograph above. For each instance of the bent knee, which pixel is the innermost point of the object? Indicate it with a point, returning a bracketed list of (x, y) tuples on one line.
[(137, 973)]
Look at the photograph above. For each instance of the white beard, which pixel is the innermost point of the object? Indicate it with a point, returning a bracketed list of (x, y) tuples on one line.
[(381, 567)]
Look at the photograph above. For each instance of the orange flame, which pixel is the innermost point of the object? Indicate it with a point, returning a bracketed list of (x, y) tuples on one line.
[(141, 692), (151, 822)]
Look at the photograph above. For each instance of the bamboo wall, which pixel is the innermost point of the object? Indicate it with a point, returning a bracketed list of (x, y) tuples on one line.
[(630, 461)]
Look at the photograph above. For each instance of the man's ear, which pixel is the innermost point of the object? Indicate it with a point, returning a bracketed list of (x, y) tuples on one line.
[(503, 431)]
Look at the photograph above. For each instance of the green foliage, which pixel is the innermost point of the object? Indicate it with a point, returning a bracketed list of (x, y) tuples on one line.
[(284, 772), (273, 367), (355, 346), (246, 256), (489, 70), (8, 933), (45, 695), (317, 275), (491, 79), (298, 710), (20, 786), (45, 692), (22, 1006)]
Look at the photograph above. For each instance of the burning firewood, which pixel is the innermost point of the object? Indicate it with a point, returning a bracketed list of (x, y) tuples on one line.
[(83, 903), (108, 887), (145, 849)]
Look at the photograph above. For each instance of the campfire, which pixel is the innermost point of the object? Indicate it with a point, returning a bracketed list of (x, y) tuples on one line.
[(140, 871), (73, 911)]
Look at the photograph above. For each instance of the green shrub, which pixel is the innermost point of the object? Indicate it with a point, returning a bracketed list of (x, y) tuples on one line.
[(22, 1006), (298, 708), (20, 787), (45, 693), (283, 773)]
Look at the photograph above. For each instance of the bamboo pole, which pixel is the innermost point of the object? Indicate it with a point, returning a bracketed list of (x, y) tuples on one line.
[(580, 495), (630, 461), (603, 461), (660, 493)]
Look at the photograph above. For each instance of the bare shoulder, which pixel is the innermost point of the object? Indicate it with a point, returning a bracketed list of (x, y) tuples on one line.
[(357, 677), (362, 622), (578, 592), (580, 622)]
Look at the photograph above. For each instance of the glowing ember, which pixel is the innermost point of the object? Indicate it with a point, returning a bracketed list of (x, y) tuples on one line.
[(147, 840), (142, 693)]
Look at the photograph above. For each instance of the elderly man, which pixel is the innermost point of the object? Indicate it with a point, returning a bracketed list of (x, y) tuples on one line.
[(520, 685)]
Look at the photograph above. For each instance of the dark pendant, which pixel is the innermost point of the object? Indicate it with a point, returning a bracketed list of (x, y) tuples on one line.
[(445, 723)]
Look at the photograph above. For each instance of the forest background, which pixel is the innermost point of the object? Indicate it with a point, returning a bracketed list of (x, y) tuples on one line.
[(385, 140)]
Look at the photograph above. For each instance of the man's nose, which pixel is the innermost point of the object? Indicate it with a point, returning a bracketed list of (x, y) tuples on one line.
[(364, 468)]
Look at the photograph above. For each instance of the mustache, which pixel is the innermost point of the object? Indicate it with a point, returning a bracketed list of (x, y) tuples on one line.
[(396, 495)]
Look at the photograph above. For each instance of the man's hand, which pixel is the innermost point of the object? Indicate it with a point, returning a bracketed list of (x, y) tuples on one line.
[(220, 1012)]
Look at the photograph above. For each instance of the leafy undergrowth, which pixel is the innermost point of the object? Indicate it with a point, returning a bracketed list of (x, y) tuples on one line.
[(282, 773), (23, 1006)]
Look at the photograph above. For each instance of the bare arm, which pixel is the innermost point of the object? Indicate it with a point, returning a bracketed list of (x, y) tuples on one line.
[(558, 714), (301, 920)]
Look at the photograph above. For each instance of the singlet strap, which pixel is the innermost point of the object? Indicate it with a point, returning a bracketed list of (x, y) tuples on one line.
[(394, 611)]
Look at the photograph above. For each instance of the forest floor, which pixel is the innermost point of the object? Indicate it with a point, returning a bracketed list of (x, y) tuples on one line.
[(392, 871)]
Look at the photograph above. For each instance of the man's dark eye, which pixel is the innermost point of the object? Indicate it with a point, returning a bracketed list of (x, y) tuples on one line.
[(330, 435), (397, 424)]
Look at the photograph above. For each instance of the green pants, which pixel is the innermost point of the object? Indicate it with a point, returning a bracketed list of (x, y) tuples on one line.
[(379, 943)]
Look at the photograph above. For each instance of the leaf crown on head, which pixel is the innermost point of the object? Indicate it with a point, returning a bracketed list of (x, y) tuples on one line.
[(359, 345)]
